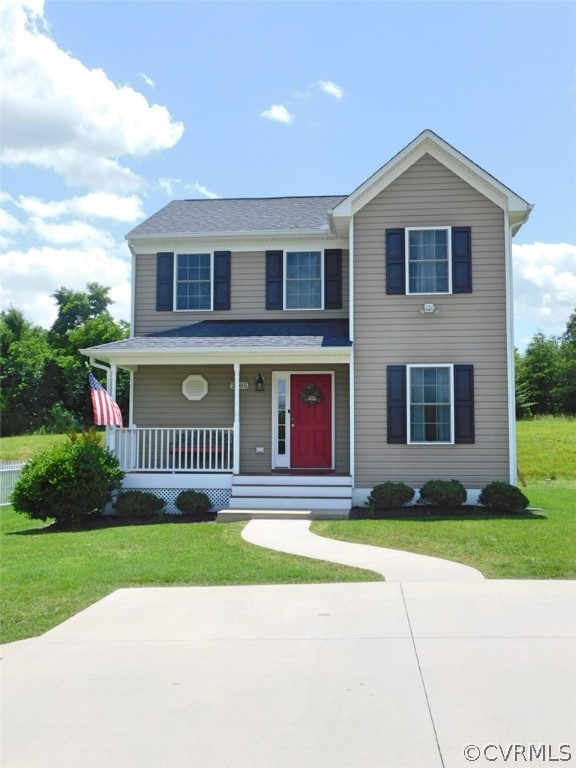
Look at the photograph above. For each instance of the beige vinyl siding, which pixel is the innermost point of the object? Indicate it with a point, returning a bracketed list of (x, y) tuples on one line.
[(159, 402), (247, 300), (469, 328)]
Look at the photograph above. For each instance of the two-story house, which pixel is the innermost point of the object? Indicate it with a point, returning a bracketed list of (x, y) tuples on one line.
[(293, 352)]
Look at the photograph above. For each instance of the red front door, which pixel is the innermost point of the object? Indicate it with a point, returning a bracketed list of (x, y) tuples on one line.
[(311, 421)]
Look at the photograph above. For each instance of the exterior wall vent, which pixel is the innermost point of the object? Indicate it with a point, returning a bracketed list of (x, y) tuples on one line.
[(195, 387)]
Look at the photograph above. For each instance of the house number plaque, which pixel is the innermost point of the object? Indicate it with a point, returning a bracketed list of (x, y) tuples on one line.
[(243, 385)]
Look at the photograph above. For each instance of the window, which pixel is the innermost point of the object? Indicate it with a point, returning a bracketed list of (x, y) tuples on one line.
[(428, 262), (303, 280), (194, 281), (430, 396), (430, 404), (421, 260)]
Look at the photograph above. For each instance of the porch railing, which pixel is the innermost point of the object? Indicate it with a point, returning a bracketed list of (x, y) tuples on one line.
[(167, 449)]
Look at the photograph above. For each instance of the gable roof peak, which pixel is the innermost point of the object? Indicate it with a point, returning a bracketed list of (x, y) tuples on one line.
[(429, 142)]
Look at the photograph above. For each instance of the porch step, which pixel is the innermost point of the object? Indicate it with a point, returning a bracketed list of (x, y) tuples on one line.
[(233, 515), (291, 493)]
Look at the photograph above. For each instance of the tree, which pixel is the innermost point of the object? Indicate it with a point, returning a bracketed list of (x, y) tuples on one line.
[(567, 371), (44, 380), (541, 362), (26, 389), (76, 307), (83, 321)]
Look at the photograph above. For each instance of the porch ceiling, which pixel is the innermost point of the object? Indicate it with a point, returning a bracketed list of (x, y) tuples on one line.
[(227, 342)]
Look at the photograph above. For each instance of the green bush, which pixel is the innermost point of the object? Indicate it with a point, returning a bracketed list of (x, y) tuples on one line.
[(138, 504), (449, 494), (503, 497), (69, 482), (390, 495), (194, 503)]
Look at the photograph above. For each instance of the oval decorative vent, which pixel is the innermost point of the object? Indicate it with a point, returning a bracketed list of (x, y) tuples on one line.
[(195, 387)]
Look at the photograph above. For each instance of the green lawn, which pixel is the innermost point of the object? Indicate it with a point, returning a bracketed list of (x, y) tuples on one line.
[(542, 547), (22, 447), (46, 577), (547, 447)]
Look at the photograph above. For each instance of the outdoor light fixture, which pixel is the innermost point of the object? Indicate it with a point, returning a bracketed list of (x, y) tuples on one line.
[(259, 383)]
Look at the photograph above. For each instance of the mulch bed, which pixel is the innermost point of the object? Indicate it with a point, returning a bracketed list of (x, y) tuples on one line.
[(421, 512)]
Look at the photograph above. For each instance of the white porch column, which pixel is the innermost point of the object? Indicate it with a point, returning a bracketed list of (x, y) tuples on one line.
[(236, 465)]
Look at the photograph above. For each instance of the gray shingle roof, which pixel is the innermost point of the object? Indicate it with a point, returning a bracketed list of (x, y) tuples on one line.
[(265, 214), (241, 334)]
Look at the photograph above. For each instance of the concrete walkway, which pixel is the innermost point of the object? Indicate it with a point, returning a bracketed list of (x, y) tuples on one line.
[(295, 537)]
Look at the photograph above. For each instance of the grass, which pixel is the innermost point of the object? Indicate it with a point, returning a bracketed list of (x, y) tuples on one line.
[(511, 547), (23, 447), (547, 447), (523, 547), (46, 576)]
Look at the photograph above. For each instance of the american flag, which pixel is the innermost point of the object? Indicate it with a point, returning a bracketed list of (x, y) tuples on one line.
[(106, 411)]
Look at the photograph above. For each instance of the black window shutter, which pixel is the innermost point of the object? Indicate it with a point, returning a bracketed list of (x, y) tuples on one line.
[(461, 260), (222, 279), (464, 403), (333, 278), (164, 282), (274, 279), (397, 405), (395, 261)]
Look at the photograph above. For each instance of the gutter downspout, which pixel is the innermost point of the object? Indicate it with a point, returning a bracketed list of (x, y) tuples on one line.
[(512, 452), (351, 369)]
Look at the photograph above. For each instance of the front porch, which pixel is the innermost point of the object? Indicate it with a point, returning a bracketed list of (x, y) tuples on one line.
[(168, 460), (216, 402)]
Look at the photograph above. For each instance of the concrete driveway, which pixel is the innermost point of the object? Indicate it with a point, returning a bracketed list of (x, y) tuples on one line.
[(374, 675)]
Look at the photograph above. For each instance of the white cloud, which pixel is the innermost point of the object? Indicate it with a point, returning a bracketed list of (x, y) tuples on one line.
[(204, 191), (169, 185), (61, 115), (148, 80), (279, 113), (71, 232), (99, 205), (331, 88), (9, 223), (544, 288), (37, 272)]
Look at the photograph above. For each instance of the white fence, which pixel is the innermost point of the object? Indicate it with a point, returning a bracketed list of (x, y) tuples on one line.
[(9, 474)]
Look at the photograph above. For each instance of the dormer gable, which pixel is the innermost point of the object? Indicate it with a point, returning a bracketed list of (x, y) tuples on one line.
[(429, 143)]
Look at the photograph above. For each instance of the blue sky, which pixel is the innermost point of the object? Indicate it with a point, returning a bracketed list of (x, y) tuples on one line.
[(111, 109)]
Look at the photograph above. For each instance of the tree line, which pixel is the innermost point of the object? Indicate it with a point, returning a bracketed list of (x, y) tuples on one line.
[(546, 374), (44, 378)]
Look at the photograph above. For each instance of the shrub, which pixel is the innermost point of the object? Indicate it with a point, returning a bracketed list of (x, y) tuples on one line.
[(503, 497), (390, 495), (69, 482), (449, 494), (193, 503), (138, 504)]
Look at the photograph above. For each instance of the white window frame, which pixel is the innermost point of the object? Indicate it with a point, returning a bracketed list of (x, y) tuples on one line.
[(448, 231), (176, 281), (285, 280), (409, 368)]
